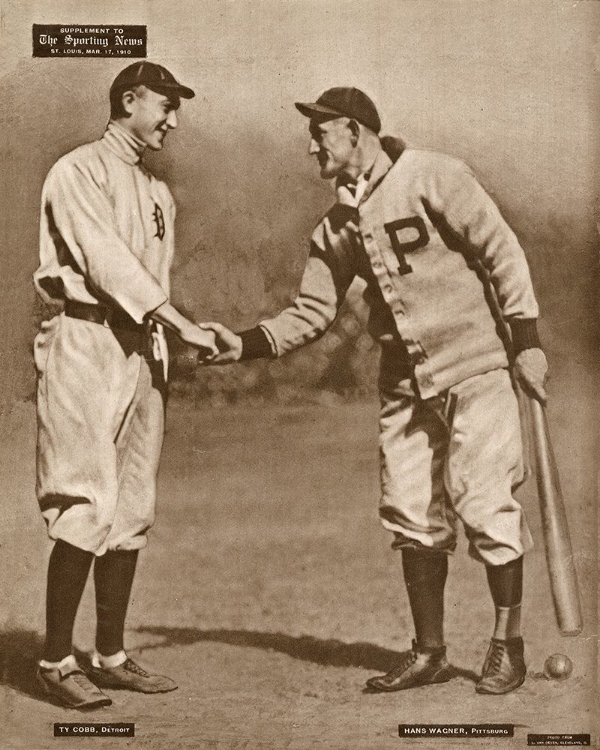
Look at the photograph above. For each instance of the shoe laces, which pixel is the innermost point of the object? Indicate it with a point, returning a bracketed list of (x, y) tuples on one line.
[(131, 666), (407, 659), (80, 680), (496, 656)]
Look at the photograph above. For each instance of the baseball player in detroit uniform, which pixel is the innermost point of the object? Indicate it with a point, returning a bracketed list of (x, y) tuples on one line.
[(432, 246), (106, 246)]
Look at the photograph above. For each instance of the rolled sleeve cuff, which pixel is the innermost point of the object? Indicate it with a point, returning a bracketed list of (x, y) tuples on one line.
[(255, 344), (524, 334)]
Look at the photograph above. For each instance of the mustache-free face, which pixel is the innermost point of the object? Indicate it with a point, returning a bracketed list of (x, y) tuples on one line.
[(331, 142)]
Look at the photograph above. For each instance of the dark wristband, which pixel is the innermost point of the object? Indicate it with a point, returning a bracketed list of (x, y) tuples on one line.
[(255, 344), (524, 334)]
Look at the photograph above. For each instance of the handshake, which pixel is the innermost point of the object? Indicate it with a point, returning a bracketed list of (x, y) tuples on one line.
[(214, 344)]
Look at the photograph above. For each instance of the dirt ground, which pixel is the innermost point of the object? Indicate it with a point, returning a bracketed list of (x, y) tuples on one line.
[(270, 593)]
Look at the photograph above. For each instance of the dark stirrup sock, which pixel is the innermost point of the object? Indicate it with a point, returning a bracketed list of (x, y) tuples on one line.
[(113, 579), (506, 582), (68, 570), (425, 574), (506, 587)]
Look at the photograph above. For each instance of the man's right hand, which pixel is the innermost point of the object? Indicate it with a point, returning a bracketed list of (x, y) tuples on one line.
[(203, 341), (228, 343), (188, 332)]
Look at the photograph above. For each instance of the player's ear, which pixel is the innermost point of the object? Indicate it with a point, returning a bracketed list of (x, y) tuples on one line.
[(354, 128), (127, 100)]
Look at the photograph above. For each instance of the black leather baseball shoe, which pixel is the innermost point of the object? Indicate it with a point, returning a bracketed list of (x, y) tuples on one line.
[(504, 667), (69, 686), (416, 668), (130, 676)]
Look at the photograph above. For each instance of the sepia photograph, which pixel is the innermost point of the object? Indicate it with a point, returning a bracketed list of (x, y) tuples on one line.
[(300, 371)]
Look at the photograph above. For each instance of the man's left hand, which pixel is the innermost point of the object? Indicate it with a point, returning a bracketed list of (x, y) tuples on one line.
[(227, 343), (531, 370)]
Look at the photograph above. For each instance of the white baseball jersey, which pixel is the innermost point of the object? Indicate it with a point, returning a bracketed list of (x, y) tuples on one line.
[(422, 228), (106, 237), (106, 231)]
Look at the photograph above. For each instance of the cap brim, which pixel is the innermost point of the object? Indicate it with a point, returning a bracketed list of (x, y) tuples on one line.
[(186, 93), (309, 109), (175, 88)]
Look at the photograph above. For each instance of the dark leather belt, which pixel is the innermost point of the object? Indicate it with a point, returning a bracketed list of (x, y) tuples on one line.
[(102, 315)]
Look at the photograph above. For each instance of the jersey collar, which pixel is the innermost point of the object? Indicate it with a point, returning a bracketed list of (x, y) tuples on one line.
[(380, 168), (354, 192), (122, 143)]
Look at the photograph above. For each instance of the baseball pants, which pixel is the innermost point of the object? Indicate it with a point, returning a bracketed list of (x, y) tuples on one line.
[(100, 408), (456, 457)]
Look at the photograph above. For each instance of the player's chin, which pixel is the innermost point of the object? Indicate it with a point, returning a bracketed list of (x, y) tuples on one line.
[(327, 172), (156, 143)]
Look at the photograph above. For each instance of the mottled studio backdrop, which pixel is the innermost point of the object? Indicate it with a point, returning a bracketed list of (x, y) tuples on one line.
[(511, 87)]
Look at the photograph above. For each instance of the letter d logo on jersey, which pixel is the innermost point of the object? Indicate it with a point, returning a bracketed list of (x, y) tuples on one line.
[(159, 220)]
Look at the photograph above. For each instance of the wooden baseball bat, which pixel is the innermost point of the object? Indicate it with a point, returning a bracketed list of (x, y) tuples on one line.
[(559, 554)]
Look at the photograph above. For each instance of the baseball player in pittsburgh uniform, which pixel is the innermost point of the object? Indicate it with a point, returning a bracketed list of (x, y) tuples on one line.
[(106, 246), (431, 245)]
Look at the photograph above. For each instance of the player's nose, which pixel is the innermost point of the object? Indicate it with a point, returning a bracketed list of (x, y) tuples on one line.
[(172, 119), (313, 147)]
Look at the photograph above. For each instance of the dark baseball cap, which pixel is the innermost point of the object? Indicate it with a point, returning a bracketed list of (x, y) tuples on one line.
[(344, 102), (155, 77)]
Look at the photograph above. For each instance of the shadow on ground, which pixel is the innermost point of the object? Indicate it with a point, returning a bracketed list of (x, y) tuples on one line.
[(19, 654), (20, 649), (305, 647)]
